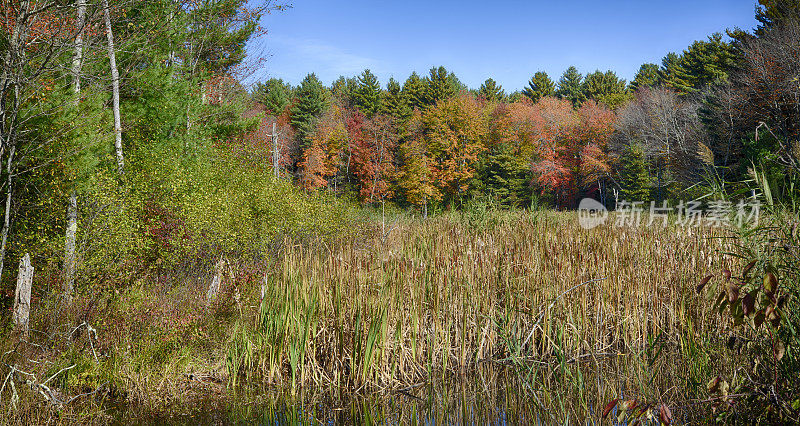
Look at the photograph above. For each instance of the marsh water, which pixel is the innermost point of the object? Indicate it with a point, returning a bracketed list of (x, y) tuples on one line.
[(489, 396), (463, 400)]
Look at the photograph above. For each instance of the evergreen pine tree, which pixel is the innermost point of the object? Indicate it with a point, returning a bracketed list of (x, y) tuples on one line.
[(367, 94), (312, 101), (506, 176), (673, 73), (396, 105), (606, 87), (539, 86), (570, 87), (439, 85), (491, 91), (274, 94), (707, 62), (414, 91), (648, 76), (217, 35), (342, 90), (633, 177)]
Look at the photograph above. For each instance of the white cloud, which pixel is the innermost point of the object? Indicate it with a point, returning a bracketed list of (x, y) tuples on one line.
[(333, 59)]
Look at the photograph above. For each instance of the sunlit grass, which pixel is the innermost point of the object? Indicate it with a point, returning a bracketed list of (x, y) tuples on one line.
[(529, 290)]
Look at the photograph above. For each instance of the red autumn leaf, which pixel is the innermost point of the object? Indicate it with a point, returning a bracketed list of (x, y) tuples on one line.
[(664, 414), (749, 303), (703, 283), (713, 385), (610, 406), (748, 268)]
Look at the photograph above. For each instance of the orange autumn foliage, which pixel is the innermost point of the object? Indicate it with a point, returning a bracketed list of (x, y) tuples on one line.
[(571, 148), (323, 158), (454, 132), (374, 141)]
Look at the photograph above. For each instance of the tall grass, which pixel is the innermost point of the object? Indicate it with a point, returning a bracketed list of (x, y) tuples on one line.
[(444, 295), (578, 316)]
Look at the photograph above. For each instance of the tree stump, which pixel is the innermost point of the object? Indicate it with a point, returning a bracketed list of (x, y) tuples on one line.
[(213, 289), (22, 297)]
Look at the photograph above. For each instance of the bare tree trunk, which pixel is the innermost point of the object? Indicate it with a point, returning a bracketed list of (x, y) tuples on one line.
[(69, 247), (22, 296), (7, 215), (275, 156), (112, 58), (77, 58), (10, 81)]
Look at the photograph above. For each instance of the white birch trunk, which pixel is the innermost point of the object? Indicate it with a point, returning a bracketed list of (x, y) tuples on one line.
[(72, 209), (77, 58), (275, 155), (112, 58), (69, 247), (10, 80)]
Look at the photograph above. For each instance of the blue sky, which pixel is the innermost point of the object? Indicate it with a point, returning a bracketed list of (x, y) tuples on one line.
[(503, 39)]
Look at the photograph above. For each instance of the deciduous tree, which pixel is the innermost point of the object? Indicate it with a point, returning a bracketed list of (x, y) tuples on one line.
[(373, 159), (327, 153), (454, 132), (669, 131), (415, 178), (571, 151)]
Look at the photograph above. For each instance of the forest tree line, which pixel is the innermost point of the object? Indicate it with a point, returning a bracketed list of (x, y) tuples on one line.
[(695, 124)]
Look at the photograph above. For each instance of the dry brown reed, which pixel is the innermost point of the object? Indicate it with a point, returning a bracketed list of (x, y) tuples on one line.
[(437, 296)]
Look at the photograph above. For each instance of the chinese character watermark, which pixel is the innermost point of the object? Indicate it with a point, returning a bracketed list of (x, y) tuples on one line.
[(713, 214)]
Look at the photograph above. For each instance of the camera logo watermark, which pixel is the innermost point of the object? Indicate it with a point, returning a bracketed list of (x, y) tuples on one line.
[(591, 213), (719, 213)]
